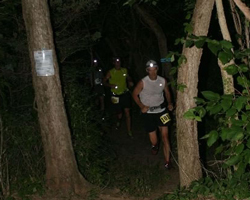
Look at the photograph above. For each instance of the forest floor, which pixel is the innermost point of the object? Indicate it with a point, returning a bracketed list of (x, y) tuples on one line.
[(136, 150), (136, 174)]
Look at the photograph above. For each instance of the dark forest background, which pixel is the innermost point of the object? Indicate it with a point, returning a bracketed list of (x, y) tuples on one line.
[(84, 30)]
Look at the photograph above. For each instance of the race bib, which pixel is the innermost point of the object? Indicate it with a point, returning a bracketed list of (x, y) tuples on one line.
[(165, 118), (115, 100)]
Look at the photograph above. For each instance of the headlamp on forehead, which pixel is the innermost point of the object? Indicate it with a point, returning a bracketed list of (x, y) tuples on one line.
[(151, 63), (117, 59), (95, 61)]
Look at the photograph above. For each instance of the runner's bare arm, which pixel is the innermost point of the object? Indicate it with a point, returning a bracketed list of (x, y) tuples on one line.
[(105, 81), (136, 92)]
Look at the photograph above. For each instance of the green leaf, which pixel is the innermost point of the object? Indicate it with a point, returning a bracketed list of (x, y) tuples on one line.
[(193, 37), (173, 70), (200, 111), (231, 112), (199, 43), (182, 59), (226, 104), (189, 43), (243, 81), (240, 102), (224, 57), (213, 136), (209, 95), (198, 118), (226, 44), (214, 46), (243, 68), (205, 136), (227, 97), (231, 69), (188, 16), (232, 161), (219, 149), (223, 134), (199, 100), (241, 168), (188, 28), (238, 136), (239, 148), (189, 114), (215, 109), (181, 87), (234, 132)]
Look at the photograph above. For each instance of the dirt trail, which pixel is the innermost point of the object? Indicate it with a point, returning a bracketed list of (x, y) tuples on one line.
[(138, 149)]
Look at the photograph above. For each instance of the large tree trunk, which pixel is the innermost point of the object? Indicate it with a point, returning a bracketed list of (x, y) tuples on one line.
[(187, 136), (61, 169)]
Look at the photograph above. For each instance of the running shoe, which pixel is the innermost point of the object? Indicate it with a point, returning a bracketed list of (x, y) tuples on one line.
[(167, 165), (154, 149)]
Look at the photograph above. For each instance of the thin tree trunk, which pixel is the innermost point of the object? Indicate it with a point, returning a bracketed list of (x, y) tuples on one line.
[(162, 41), (62, 174), (187, 134), (237, 22), (243, 7), (228, 82)]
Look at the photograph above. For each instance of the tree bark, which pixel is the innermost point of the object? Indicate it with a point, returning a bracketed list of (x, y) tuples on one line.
[(228, 82), (62, 174), (243, 7), (187, 136)]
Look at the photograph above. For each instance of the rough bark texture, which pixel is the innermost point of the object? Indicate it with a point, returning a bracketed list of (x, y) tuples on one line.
[(62, 174), (228, 82), (187, 136)]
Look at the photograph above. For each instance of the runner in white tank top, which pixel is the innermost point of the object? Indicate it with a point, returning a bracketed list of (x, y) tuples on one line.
[(149, 96)]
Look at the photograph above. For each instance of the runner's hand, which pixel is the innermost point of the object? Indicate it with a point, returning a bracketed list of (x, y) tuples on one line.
[(144, 109), (170, 107)]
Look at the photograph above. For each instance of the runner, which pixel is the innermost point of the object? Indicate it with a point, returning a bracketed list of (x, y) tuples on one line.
[(117, 79), (149, 96)]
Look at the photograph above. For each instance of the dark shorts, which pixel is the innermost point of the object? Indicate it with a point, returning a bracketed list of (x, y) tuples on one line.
[(154, 120), (99, 90), (124, 101)]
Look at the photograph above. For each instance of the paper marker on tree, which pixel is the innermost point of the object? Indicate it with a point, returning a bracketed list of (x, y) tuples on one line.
[(44, 63)]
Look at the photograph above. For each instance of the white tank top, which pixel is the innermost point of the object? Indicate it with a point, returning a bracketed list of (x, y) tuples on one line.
[(152, 93)]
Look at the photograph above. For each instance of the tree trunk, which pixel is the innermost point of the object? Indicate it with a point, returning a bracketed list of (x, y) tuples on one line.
[(62, 174), (243, 7), (187, 136), (162, 42), (228, 82)]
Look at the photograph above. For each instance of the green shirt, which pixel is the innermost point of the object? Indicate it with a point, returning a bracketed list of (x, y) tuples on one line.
[(118, 78)]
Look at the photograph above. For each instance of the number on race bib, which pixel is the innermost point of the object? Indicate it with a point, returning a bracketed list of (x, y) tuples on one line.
[(165, 118), (115, 100)]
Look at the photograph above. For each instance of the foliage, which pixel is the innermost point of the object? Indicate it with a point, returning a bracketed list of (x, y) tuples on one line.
[(92, 150), (209, 188), (232, 111), (22, 162)]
